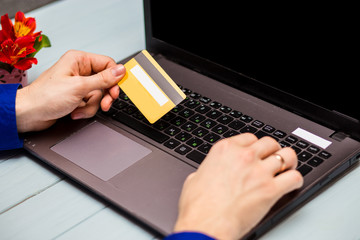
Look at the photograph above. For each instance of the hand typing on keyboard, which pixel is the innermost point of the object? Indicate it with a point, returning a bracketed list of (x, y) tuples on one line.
[(236, 185)]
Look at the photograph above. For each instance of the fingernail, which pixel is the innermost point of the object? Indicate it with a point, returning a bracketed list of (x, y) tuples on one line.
[(118, 70), (78, 116)]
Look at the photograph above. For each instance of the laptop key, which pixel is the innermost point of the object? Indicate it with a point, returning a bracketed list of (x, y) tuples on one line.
[(236, 124), (148, 131), (324, 155), (194, 142), (183, 149), (208, 123), (192, 103), (186, 113), (246, 118), (225, 109), (313, 149), (202, 109), (291, 139), (268, 129), (196, 156), (212, 137), (195, 95), (259, 134), (178, 121), (200, 132), (177, 109), (304, 156), (119, 104), (197, 118), (257, 124), (189, 126), (172, 131), (220, 129), (302, 144), (235, 114), (205, 99), (214, 114), (205, 148), (183, 136), (315, 161), (168, 116), (230, 133), (172, 143), (225, 119), (304, 169), (284, 144), (161, 125), (279, 134), (215, 104), (248, 129)]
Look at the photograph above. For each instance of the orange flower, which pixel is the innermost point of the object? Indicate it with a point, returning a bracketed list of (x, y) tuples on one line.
[(14, 53), (25, 26), (19, 43)]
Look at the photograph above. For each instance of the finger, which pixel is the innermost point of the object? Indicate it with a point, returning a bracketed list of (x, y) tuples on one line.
[(107, 78), (265, 147), (244, 140), (114, 91), (100, 62), (89, 63), (274, 164), (106, 102), (288, 181), (91, 107)]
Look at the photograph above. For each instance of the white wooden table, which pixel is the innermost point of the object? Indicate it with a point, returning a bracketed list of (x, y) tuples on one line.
[(37, 202)]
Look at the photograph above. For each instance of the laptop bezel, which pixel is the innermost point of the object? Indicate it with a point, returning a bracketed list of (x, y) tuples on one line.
[(334, 120)]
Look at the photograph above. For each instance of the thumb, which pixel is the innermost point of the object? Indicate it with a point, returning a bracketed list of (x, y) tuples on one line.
[(106, 78)]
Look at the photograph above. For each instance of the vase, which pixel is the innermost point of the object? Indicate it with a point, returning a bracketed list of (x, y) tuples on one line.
[(15, 76)]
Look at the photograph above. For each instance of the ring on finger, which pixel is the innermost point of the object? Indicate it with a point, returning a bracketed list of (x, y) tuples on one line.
[(283, 164)]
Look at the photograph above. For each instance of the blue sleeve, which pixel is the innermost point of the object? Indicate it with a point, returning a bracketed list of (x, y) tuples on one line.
[(187, 236), (9, 137)]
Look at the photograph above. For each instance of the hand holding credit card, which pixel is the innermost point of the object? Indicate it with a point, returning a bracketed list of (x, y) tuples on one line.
[(149, 87)]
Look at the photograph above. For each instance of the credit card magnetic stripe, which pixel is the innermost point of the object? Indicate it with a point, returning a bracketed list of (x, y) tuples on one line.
[(153, 69)]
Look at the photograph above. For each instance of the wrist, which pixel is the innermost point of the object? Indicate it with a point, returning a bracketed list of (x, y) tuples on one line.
[(22, 110)]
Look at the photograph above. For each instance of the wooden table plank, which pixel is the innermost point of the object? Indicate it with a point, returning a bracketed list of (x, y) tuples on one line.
[(49, 214), (106, 224), (21, 177)]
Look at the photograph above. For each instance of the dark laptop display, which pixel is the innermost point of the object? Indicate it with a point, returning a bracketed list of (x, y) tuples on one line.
[(305, 50), (282, 71)]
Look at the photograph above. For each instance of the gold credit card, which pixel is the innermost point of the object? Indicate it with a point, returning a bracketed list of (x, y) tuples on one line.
[(149, 87)]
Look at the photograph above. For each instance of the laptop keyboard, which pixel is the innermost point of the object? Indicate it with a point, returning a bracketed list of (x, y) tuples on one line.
[(192, 127)]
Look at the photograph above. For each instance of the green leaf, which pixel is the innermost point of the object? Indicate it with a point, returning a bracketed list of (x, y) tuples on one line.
[(45, 42)]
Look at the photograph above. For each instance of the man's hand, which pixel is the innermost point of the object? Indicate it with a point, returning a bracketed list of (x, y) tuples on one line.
[(236, 185), (76, 84)]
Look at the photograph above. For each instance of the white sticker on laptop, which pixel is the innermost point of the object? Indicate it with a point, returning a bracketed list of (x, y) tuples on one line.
[(310, 137)]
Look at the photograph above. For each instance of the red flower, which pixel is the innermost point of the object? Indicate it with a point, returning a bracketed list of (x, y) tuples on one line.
[(19, 43), (7, 29), (14, 53), (23, 27)]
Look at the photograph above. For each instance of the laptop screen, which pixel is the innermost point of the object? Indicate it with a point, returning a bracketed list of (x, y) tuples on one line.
[(306, 50)]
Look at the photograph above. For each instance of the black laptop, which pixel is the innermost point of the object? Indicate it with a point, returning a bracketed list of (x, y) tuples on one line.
[(282, 71)]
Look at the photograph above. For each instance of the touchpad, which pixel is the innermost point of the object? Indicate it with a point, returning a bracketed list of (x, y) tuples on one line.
[(100, 150)]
